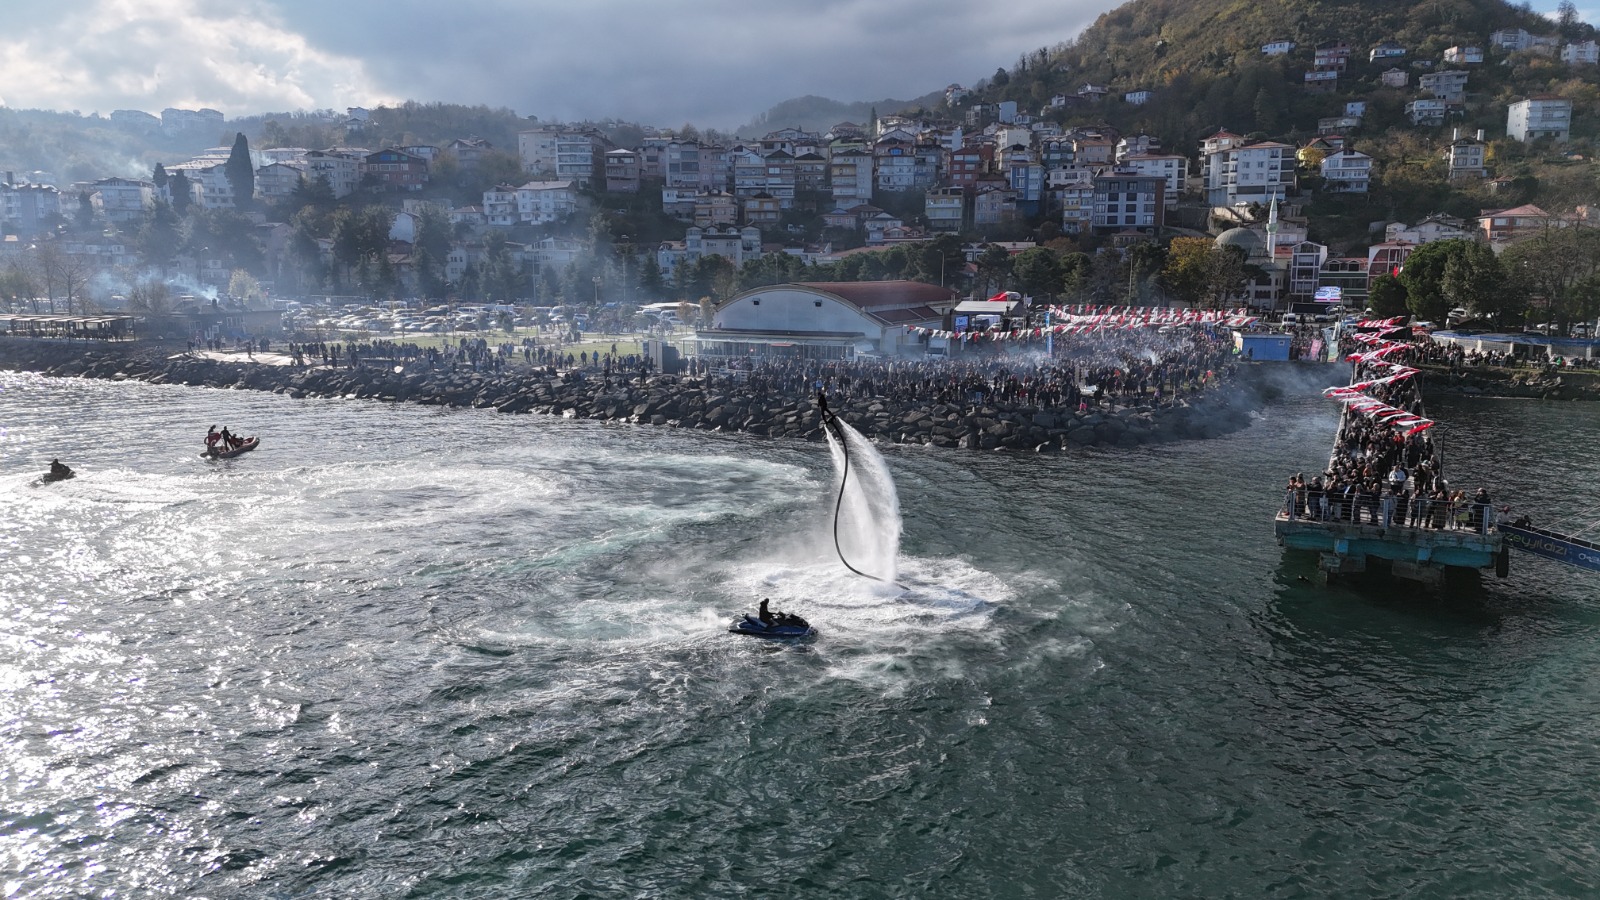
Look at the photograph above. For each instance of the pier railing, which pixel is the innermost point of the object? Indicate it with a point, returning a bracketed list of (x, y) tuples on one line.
[(1422, 513)]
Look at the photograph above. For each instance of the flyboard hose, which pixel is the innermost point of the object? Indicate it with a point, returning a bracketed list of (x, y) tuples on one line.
[(832, 421)]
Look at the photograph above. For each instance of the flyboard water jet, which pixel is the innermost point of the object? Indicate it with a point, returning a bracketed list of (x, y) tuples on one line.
[(785, 625)]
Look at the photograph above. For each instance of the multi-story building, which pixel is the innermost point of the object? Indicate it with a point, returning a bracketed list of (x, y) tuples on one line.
[(749, 171), (1134, 145), (1395, 78), (28, 209), (780, 169), (1347, 171), (737, 245), (1503, 226), (1253, 173), (1463, 56), (1306, 259), (1321, 82), (851, 178), (762, 210), (971, 163), (544, 202), (712, 208), (134, 118), (1466, 157), (1449, 85), (1332, 56), (209, 187), (993, 204), (1544, 115), (277, 181), (1170, 167), (1073, 192), (946, 209), (1581, 53), (396, 170), (622, 171), (121, 199), (681, 165), (900, 167), (1125, 200), (1426, 111), (500, 206), (580, 157), (186, 119), (537, 149), (1386, 50), (1436, 227), (810, 173), (341, 170), (1277, 48)]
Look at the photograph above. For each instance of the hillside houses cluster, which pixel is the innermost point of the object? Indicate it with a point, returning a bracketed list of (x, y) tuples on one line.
[(992, 166)]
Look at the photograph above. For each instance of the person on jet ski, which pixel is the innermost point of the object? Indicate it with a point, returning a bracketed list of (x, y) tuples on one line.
[(58, 469), (764, 615)]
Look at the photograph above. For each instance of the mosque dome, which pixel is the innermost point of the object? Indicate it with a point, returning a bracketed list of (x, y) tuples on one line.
[(1243, 238)]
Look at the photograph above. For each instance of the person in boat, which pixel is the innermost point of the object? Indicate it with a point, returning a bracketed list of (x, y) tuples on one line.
[(212, 440), (764, 614), (58, 469)]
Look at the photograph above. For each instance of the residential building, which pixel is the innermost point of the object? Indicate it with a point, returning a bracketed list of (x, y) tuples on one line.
[(1581, 53), (1465, 56), (1171, 168), (1074, 194), (1545, 115), (500, 206), (970, 163), (1323, 82), (1254, 173), (737, 245), (1347, 172), (121, 200), (536, 148), (580, 157), (1466, 157), (1125, 200), (1277, 48), (1349, 275), (622, 171), (1091, 91), (396, 170), (1386, 50), (1504, 226), (1387, 258), (134, 118), (1026, 177), (342, 171), (209, 187), (1426, 112), (993, 204), (277, 181), (29, 208), (1395, 78), (713, 208), (946, 209), (1449, 85), (762, 210), (1133, 145), (187, 119), (1355, 108), (850, 175), (899, 167), (955, 93), (468, 152), (1137, 98), (544, 202), (1332, 56), (1436, 227), (1306, 260), (1334, 125), (810, 174)]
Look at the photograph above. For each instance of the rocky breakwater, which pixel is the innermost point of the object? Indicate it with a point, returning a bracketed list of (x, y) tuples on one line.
[(1546, 383), (718, 405)]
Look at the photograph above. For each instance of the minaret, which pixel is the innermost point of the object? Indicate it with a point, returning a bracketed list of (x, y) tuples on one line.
[(1272, 230)]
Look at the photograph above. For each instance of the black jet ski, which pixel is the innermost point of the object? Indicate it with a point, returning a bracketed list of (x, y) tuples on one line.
[(783, 625)]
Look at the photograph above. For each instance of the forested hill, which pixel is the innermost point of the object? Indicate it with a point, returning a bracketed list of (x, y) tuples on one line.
[(1202, 60)]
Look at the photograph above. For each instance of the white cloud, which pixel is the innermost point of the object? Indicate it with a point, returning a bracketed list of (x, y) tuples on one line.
[(149, 54), (715, 62)]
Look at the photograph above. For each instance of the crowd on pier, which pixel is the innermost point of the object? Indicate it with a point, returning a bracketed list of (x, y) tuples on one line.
[(1387, 476)]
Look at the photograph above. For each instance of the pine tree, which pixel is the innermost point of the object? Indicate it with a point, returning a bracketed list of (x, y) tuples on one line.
[(181, 197)]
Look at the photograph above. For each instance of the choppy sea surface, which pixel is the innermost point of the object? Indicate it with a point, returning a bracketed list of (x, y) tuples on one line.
[(402, 651)]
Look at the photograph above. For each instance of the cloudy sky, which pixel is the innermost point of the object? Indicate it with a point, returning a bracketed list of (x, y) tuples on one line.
[(715, 63)]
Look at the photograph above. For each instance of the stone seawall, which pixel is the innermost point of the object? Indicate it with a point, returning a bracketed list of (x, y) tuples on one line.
[(717, 404), (1533, 384)]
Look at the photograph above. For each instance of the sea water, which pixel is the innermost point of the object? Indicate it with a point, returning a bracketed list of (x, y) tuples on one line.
[(404, 651)]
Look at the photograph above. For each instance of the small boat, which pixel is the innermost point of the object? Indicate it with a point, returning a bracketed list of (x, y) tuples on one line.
[(248, 445), (783, 625)]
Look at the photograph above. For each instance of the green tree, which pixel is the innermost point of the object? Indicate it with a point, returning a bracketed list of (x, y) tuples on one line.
[(182, 192), (1186, 274), (241, 173), (1387, 297), (1038, 272), (1475, 280), (994, 269), (159, 237)]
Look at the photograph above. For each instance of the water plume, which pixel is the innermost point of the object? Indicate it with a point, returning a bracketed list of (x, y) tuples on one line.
[(867, 529)]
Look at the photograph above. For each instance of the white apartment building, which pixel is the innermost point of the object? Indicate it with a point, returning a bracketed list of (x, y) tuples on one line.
[(1582, 53), (1254, 173), (500, 206), (208, 183), (277, 181), (121, 199), (342, 170), (1541, 116), (537, 149), (1466, 157), (1171, 167), (1347, 172), (543, 202)]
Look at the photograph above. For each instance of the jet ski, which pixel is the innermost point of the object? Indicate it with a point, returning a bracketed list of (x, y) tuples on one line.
[(783, 625)]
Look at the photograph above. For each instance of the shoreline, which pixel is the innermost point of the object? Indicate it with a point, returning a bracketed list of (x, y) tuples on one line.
[(710, 404)]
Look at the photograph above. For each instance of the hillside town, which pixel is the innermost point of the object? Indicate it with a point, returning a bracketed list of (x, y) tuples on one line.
[(676, 221)]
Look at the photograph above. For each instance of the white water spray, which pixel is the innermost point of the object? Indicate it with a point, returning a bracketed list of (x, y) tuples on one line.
[(868, 526)]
